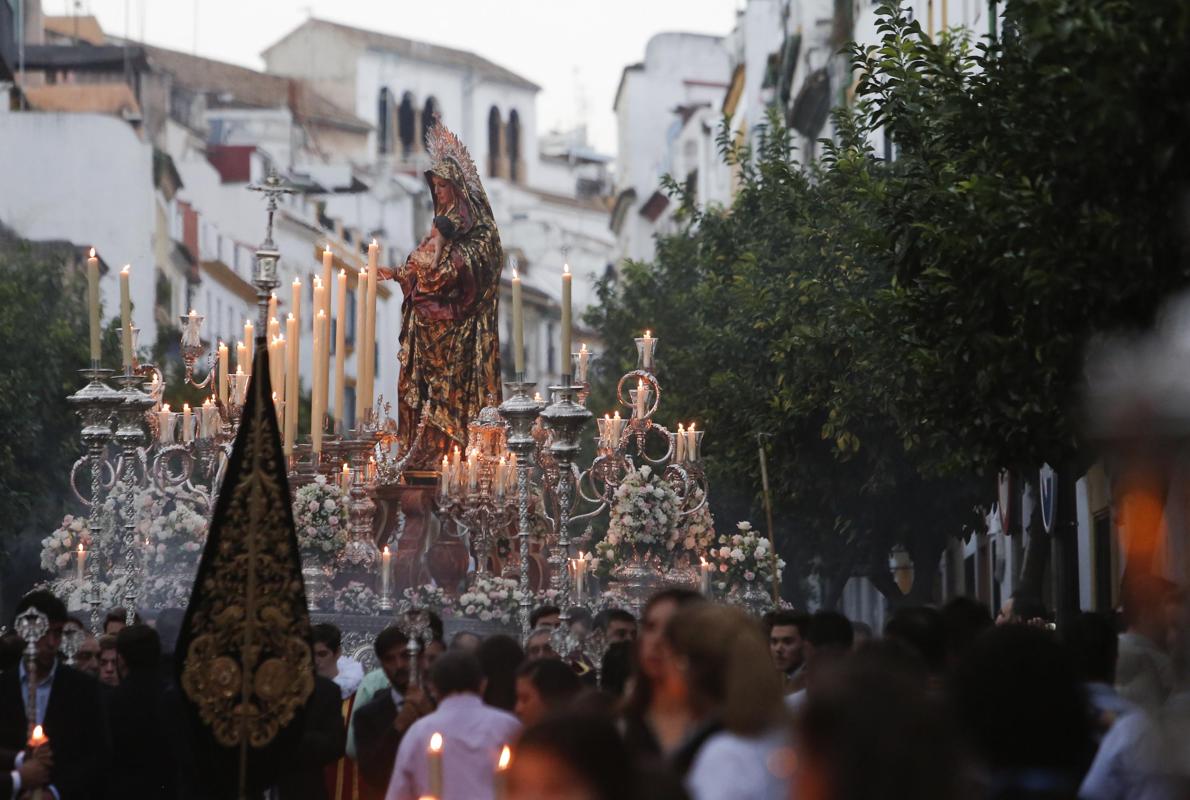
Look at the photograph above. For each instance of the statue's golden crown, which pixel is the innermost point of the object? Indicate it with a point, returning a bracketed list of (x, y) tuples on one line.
[(442, 146)]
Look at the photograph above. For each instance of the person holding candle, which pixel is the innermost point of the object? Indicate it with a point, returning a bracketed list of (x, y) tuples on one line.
[(469, 736), (379, 725), (449, 341), (68, 707)]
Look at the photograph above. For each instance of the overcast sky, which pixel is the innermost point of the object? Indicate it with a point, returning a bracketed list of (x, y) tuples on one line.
[(574, 49)]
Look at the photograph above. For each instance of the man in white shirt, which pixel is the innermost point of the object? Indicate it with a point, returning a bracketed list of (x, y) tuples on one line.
[(472, 736)]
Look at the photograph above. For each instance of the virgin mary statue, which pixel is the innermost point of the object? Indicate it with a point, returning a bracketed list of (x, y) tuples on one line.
[(449, 342)]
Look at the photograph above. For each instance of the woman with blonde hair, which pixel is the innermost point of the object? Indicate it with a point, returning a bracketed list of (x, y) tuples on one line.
[(719, 656)]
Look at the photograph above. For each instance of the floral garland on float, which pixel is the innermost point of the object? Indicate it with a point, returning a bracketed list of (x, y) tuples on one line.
[(320, 518), (169, 530), (644, 516), (743, 567)]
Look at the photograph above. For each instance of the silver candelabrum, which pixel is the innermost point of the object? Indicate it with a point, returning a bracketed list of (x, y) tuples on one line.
[(564, 419), (479, 491), (520, 411)]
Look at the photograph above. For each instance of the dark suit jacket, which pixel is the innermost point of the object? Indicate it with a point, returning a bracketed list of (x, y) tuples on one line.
[(376, 740), (324, 740), (75, 724), (142, 758)]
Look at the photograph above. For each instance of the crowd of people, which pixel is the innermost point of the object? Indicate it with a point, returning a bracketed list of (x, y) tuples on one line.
[(692, 700)]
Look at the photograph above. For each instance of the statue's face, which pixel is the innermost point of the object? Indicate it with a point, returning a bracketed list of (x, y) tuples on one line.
[(443, 193)]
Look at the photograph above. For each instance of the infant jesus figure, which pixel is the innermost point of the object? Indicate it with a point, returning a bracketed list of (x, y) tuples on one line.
[(422, 260)]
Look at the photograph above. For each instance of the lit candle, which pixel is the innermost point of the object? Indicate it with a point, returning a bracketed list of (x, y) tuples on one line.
[(640, 399), (165, 427), (580, 578), (386, 563), (537, 398), (566, 332), (646, 344), (80, 563), (273, 306), (291, 382), (617, 429), (205, 424), (223, 373), (126, 315), (341, 352), (705, 576), (691, 443), (93, 302), (274, 328), (187, 423), (155, 391), (369, 366), (435, 758), (371, 468), (317, 392), (249, 343), (241, 355), (498, 481), (345, 483), (38, 737), (241, 385), (192, 336), (328, 267), (296, 299), (361, 322), (444, 479), (455, 457), (473, 471), (582, 361), (499, 782), (518, 322), (680, 444)]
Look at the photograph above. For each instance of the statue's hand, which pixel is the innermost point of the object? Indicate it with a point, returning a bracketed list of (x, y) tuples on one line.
[(385, 273)]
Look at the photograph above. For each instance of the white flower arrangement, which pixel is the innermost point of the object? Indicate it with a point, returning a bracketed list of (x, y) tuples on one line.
[(428, 596), (644, 514), (490, 599), (59, 549), (696, 532), (355, 598), (743, 558), (320, 516)]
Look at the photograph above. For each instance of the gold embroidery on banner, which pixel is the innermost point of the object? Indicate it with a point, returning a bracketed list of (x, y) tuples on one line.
[(248, 667)]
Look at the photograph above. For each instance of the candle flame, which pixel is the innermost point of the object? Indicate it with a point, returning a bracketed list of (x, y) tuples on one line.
[(435, 742), (583, 348), (317, 282), (343, 274), (691, 428), (297, 281), (291, 316), (565, 269), (81, 549), (92, 253), (326, 248), (38, 737), (185, 407), (374, 244), (386, 552), (505, 758), (321, 313), (515, 276), (127, 269), (617, 416), (192, 312), (702, 560), (647, 333), (274, 397), (165, 407)]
